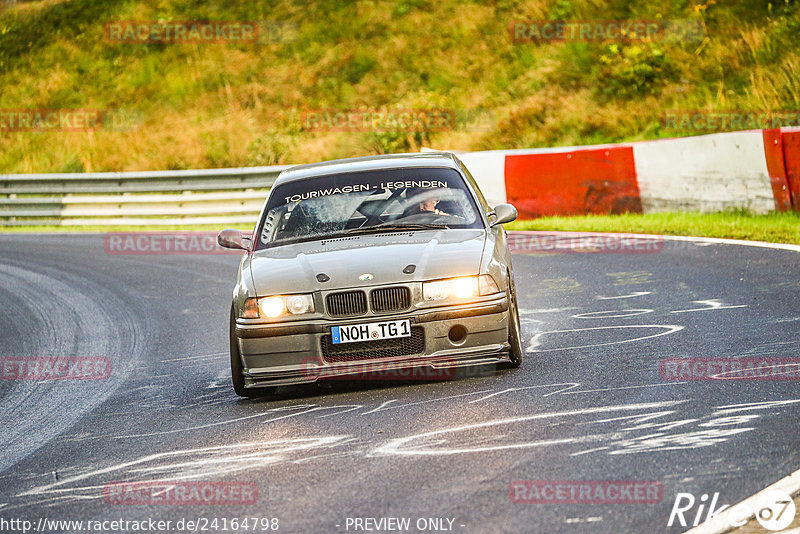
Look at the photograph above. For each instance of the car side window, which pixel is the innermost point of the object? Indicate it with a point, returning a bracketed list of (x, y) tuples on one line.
[(481, 199)]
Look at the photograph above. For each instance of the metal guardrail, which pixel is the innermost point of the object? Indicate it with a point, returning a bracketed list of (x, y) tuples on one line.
[(205, 196)]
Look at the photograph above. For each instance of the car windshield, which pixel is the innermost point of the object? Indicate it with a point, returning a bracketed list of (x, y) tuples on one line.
[(367, 202)]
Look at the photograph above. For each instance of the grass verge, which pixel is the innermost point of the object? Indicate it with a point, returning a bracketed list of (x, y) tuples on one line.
[(103, 229), (772, 227)]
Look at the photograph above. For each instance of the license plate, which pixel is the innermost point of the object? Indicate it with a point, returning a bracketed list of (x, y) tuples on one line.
[(371, 331)]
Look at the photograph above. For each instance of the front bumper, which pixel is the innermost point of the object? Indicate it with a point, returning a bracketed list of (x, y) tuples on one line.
[(286, 354)]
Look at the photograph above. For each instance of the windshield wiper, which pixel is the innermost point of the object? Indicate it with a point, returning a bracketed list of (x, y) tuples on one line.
[(376, 229), (392, 227)]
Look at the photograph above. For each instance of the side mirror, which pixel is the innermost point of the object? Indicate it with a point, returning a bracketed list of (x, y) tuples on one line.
[(503, 213), (232, 239)]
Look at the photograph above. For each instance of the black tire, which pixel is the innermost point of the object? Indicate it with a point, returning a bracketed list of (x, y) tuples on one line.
[(237, 372), (514, 330)]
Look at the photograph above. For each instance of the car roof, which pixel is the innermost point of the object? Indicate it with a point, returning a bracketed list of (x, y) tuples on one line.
[(368, 163)]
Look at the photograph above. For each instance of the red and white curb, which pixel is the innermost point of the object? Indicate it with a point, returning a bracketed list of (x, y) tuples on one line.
[(758, 170)]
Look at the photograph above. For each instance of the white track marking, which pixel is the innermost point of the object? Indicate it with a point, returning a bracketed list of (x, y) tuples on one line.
[(306, 408), (399, 446), (328, 456), (720, 241), (659, 441), (589, 451), (534, 341), (572, 520), (689, 239), (714, 304), (350, 406), (638, 418), (573, 386), (496, 393), (792, 368), (734, 408), (634, 294), (547, 310), (244, 454), (382, 408), (746, 509), (509, 390), (612, 314), (201, 357), (624, 387)]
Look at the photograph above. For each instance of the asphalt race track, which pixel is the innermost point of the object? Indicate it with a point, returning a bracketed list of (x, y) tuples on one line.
[(588, 404)]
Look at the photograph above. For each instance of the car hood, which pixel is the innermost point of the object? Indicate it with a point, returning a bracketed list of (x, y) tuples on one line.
[(347, 261)]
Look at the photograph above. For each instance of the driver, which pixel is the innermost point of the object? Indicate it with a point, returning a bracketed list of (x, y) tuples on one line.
[(423, 201)]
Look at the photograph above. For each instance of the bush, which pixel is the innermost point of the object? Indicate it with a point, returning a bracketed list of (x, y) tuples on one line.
[(629, 71)]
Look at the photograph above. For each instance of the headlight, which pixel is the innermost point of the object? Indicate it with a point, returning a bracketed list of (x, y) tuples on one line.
[(277, 306), (272, 306), (456, 289)]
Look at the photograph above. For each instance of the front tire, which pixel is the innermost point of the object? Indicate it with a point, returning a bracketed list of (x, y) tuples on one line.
[(237, 371), (514, 330)]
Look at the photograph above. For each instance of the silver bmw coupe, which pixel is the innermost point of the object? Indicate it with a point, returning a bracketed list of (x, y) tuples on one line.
[(395, 260)]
